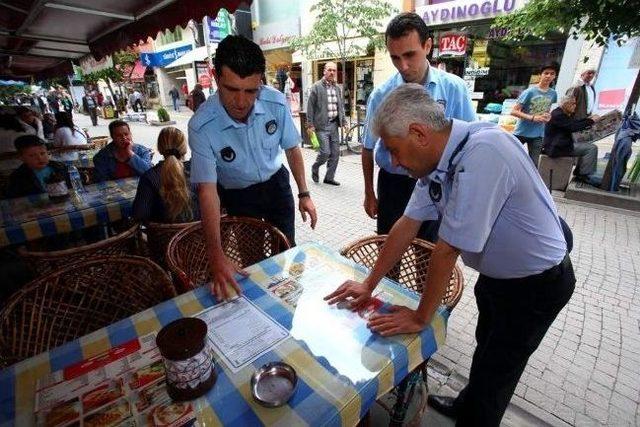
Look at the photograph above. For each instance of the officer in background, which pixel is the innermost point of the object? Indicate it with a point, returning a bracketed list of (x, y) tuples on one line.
[(483, 185), (237, 138), (408, 43)]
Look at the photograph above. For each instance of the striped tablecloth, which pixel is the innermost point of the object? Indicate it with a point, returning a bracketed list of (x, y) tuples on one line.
[(342, 367), (33, 217)]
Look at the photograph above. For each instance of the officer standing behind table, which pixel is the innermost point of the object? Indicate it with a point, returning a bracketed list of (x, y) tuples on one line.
[(498, 214), (237, 138), (408, 43)]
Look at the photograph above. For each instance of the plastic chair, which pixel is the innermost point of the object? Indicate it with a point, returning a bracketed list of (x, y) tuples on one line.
[(245, 241), (76, 300)]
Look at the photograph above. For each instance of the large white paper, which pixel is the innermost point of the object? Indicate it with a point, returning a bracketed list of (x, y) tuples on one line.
[(240, 332)]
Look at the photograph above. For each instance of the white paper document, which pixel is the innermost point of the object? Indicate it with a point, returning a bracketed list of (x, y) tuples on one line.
[(240, 332)]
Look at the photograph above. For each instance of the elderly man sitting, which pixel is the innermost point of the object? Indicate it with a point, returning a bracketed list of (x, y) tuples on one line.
[(559, 143)]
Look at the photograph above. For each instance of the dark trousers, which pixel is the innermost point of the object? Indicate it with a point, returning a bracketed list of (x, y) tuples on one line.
[(534, 146), (93, 113), (271, 201), (394, 192), (514, 315)]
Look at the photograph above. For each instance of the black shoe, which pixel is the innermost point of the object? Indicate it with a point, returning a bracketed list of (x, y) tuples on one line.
[(315, 177), (331, 182), (446, 405)]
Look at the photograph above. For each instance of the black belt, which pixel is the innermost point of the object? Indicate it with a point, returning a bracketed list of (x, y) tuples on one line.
[(334, 120)]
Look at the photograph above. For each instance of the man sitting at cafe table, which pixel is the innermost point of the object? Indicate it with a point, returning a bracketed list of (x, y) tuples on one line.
[(121, 158), (496, 213)]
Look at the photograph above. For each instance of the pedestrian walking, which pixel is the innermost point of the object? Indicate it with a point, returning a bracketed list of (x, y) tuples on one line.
[(175, 97), (325, 114)]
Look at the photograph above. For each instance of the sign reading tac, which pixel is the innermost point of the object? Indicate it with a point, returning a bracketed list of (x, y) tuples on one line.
[(453, 44)]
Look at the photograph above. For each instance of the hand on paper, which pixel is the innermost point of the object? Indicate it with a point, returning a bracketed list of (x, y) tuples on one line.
[(360, 295), (223, 282), (400, 320)]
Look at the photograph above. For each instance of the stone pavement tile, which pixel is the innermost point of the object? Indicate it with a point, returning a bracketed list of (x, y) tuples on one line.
[(586, 421)]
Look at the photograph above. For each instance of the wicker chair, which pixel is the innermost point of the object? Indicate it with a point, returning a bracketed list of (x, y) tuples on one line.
[(245, 241), (44, 262), (76, 300), (158, 237), (410, 270)]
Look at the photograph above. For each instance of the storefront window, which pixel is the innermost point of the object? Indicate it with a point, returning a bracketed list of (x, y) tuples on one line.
[(493, 68)]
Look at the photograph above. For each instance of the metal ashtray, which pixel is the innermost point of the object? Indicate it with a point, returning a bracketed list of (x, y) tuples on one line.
[(273, 384)]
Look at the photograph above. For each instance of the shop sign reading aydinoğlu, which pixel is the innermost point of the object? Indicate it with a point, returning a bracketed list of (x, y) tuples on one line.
[(466, 10)]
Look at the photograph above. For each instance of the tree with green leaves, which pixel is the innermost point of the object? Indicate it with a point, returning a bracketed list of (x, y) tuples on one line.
[(339, 23), (595, 20)]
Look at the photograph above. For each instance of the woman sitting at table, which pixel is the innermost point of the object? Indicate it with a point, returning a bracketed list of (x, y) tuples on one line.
[(164, 192), (68, 135), (31, 176), (121, 158), (558, 141)]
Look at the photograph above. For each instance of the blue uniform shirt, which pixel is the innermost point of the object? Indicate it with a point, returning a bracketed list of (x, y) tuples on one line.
[(447, 89), (236, 154), (494, 206)]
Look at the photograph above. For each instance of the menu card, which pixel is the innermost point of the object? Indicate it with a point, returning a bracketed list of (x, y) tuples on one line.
[(122, 387)]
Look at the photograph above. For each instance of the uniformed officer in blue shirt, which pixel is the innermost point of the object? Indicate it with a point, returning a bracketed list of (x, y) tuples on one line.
[(408, 42), (496, 213), (237, 140)]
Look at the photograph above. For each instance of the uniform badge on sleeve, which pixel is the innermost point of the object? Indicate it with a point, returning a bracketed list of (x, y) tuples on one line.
[(271, 127), (227, 154), (435, 191)]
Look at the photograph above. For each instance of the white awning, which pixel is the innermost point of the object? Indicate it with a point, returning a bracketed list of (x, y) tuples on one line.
[(197, 54)]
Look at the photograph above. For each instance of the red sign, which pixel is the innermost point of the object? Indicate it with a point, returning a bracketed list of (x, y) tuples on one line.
[(453, 44), (612, 98)]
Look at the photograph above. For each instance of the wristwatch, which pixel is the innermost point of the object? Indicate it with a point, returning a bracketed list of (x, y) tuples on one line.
[(304, 194)]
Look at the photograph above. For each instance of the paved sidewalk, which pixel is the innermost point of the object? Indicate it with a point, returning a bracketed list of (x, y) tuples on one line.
[(585, 372)]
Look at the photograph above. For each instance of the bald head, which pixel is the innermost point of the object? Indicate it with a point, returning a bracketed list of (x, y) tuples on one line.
[(330, 72)]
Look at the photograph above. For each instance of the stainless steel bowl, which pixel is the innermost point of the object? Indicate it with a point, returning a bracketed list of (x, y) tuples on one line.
[(273, 384)]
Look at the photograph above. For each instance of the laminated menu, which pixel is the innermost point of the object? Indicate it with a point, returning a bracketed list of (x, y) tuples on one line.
[(122, 387)]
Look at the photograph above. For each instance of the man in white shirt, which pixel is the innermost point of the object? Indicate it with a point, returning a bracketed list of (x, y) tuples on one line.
[(585, 94)]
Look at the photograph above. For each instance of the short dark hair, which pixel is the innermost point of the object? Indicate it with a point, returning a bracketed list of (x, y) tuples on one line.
[(25, 141), (116, 124), (403, 24), (241, 55), (553, 65)]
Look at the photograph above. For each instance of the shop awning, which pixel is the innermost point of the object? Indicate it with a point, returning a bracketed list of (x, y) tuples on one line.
[(198, 54), (39, 37)]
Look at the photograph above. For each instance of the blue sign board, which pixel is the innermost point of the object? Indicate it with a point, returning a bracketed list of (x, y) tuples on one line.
[(165, 57)]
